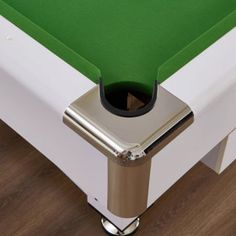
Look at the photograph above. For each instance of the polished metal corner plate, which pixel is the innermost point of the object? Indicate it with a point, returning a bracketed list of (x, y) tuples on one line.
[(128, 140)]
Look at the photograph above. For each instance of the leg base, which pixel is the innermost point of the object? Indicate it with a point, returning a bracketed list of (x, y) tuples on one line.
[(113, 230)]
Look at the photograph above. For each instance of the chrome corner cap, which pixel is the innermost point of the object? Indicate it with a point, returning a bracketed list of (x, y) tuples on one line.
[(131, 155), (128, 141)]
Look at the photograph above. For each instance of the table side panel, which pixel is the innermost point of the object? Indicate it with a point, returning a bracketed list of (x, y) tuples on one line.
[(214, 112), (35, 89), (230, 152)]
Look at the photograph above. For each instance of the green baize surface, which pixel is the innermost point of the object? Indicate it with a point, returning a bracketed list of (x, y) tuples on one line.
[(124, 40)]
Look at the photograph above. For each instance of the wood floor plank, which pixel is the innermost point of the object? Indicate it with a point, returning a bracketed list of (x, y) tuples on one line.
[(37, 199)]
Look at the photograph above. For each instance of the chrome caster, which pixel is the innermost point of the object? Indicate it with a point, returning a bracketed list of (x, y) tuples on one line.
[(113, 230)]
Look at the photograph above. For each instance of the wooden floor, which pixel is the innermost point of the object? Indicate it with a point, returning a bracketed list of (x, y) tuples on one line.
[(38, 199)]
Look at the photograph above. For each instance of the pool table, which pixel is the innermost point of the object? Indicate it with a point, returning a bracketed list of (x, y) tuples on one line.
[(123, 96)]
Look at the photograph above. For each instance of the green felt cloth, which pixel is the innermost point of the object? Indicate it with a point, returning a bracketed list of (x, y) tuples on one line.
[(124, 40)]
